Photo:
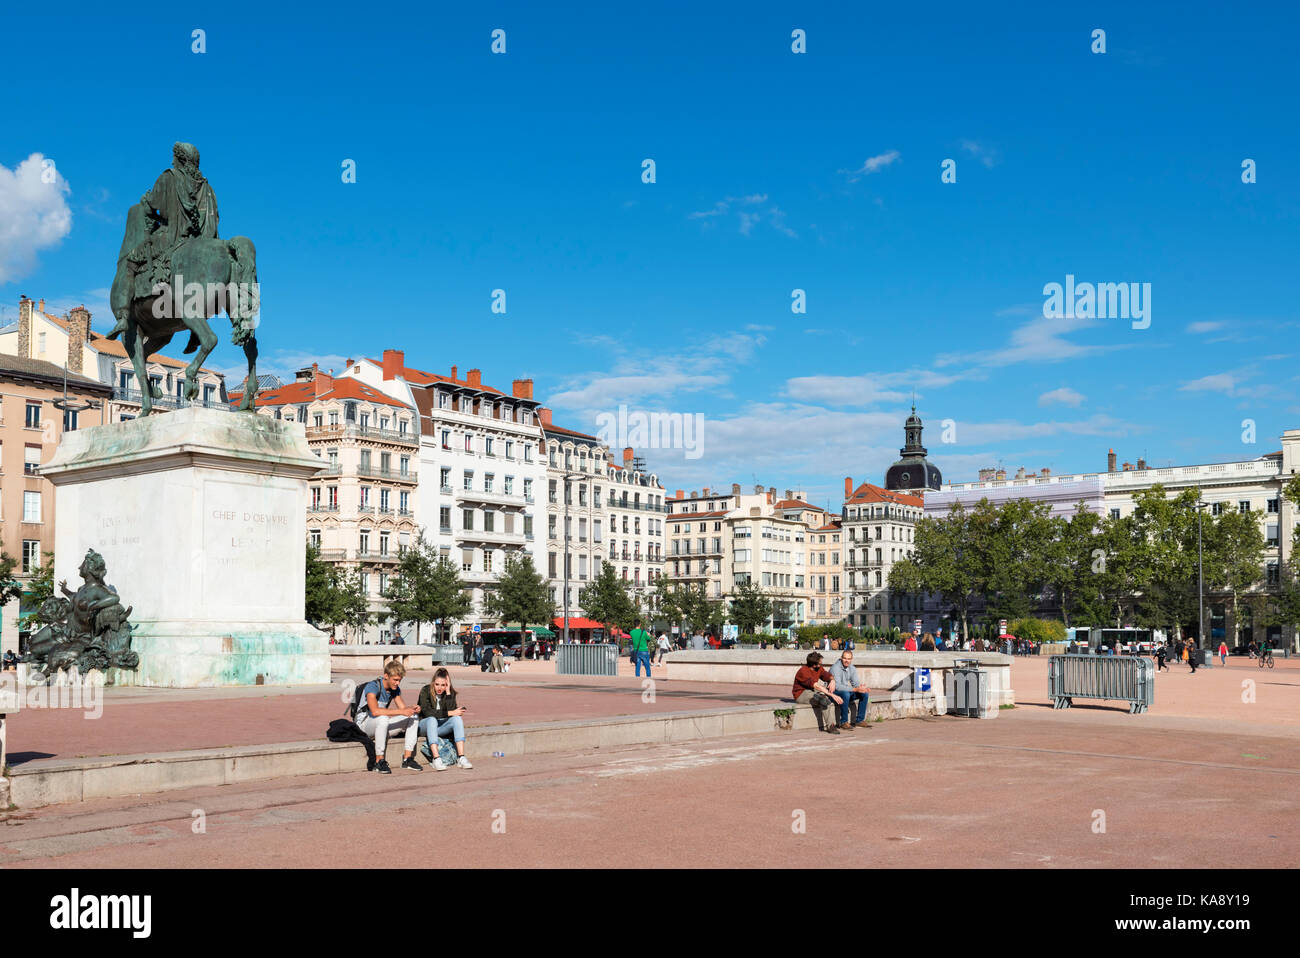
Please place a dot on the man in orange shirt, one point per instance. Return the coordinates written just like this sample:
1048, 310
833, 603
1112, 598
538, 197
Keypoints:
814, 685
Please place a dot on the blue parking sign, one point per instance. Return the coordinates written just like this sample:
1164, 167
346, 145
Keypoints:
922, 680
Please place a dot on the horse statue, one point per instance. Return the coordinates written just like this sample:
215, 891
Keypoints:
174, 273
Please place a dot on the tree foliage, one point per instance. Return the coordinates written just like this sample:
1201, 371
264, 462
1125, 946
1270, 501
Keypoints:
750, 606
520, 594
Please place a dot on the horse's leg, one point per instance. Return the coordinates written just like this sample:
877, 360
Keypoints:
134, 344
207, 342
250, 384
155, 344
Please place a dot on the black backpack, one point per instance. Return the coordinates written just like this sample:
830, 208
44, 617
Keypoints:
358, 698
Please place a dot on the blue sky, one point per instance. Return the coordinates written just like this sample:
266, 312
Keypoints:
774, 171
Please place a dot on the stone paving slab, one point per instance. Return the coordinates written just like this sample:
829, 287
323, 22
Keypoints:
164, 720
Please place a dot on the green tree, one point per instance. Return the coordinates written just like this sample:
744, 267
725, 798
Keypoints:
948, 558
353, 602
39, 587
750, 606
520, 594
1069, 557
1234, 556
323, 602
426, 588
607, 599
1166, 532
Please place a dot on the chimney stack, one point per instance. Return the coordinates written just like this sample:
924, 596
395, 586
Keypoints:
848, 486
544, 414
679, 494
706, 492
627, 460
1045, 471
1020, 473
1000, 475
394, 363
41, 305
695, 494
324, 381
1142, 463
25, 326
1110, 461
522, 388
78, 335
453, 371
473, 377
735, 488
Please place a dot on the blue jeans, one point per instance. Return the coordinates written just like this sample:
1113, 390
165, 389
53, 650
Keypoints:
452, 728
642, 657
842, 710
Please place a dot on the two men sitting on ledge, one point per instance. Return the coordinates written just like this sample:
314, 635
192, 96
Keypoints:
816, 686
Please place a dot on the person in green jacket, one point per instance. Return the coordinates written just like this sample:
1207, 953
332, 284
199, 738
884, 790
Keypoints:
640, 648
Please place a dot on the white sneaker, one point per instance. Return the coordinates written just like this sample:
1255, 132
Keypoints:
439, 765
463, 762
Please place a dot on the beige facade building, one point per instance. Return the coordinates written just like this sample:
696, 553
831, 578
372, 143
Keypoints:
879, 530
31, 426
69, 340
361, 506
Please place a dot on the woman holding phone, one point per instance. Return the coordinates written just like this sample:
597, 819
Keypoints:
440, 715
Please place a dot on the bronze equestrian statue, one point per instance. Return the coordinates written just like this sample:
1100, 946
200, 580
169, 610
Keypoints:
174, 273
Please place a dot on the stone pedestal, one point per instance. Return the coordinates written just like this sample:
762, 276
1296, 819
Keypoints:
200, 515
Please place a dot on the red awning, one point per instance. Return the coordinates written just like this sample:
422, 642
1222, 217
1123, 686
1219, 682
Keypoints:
578, 623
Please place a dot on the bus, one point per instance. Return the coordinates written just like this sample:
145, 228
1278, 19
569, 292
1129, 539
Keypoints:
1123, 641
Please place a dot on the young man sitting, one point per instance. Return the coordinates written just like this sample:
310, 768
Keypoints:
851, 690
381, 710
814, 685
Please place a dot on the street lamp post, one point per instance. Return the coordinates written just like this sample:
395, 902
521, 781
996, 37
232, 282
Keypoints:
1200, 579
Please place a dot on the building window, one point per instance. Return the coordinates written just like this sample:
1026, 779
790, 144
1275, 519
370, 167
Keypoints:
1272, 505
444, 519
333, 498
365, 542
383, 500
1216, 509
468, 480
33, 415
487, 446
445, 479
31, 554
31, 507
315, 497
1243, 506
489, 520
488, 479
314, 535
317, 420
406, 465
446, 439
383, 543
469, 443
31, 459
404, 503
467, 519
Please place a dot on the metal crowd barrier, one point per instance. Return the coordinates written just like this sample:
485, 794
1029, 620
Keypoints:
596, 658
1126, 678
447, 653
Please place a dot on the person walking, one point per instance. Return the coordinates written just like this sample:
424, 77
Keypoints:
1223, 653
1161, 652
664, 646
640, 640
1190, 653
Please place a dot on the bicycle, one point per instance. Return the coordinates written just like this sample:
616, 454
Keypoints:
1266, 657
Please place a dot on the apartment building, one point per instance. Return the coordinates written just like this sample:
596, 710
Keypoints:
722, 539
69, 341
879, 527
31, 426
361, 505
480, 457
634, 502
1251, 486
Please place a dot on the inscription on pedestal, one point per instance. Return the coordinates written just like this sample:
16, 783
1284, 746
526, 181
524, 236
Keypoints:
247, 529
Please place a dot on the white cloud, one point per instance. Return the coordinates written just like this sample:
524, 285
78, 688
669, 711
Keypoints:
873, 164
865, 389
33, 215
985, 154
1040, 340
1226, 383
1064, 395
1204, 327
748, 219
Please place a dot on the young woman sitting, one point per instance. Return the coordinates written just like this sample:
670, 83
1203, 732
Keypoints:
440, 716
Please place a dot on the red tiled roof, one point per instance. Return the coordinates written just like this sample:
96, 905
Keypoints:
572, 432
797, 504
869, 493
418, 377
304, 392
830, 527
